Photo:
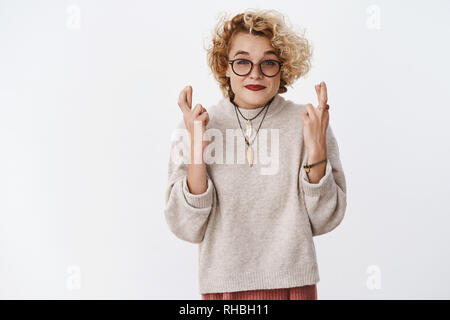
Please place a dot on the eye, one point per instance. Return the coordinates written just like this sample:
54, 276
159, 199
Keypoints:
269, 62
243, 61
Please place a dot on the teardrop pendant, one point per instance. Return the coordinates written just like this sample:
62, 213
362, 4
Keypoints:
249, 129
250, 156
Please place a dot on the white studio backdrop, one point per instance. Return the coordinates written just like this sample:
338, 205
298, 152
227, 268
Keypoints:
88, 102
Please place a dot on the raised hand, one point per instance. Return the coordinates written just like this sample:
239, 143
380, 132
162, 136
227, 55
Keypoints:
315, 122
191, 115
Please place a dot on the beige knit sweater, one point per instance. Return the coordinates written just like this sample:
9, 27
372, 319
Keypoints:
254, 225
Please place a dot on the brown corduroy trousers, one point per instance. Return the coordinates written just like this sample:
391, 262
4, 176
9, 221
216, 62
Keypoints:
308, 292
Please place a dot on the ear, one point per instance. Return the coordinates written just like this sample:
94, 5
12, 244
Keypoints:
228, 71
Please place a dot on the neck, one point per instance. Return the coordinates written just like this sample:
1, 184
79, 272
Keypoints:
241, 105
231, 108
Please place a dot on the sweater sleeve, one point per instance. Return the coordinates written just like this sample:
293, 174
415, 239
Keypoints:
186, 214
326, 200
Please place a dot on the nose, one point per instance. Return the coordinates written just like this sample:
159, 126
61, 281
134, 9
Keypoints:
255, 73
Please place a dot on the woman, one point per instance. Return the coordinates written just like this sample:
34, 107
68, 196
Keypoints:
254, 218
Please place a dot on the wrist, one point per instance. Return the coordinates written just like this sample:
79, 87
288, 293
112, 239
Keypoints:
316, 155
196, 155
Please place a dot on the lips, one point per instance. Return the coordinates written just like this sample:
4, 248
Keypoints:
254, 87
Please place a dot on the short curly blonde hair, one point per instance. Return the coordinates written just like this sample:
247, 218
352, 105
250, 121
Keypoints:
293, 49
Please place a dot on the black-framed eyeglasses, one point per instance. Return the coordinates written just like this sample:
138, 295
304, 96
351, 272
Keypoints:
243, 67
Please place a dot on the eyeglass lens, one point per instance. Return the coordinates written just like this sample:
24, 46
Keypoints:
268, 67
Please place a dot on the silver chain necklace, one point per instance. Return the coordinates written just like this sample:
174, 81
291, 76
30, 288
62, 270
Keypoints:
249, 129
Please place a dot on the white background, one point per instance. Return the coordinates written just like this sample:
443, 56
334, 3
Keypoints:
87, 108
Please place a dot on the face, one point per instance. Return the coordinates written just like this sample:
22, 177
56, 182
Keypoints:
255, 48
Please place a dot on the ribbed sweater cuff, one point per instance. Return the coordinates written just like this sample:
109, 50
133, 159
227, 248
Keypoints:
202, 200
322, 187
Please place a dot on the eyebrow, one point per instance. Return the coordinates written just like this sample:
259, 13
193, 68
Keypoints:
246, 53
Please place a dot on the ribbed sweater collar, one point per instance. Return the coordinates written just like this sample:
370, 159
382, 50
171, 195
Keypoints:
275, 107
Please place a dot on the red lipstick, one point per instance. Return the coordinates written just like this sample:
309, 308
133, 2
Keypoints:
254, 87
